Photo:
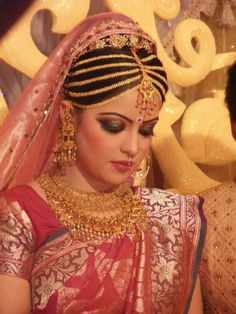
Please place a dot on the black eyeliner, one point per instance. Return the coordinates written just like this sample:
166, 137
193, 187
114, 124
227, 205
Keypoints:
109, 126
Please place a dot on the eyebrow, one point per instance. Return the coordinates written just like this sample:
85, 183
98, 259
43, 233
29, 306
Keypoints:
124, 117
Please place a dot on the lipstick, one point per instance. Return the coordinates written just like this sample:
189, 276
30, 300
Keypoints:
122, 165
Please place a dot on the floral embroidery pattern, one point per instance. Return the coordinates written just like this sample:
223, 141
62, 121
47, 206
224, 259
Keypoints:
54, 265
172, 220
121, 274
167, 270
46, 285
172, 225
16, 241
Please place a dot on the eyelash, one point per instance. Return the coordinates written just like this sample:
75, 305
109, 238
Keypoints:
114, 126
146, 131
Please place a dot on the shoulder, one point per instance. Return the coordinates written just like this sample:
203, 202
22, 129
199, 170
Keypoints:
164, 199
29, 197
15, 224
11, 203
182, 210
21, 193
20, 199
154, 195
17, 236
15, 203
24, 203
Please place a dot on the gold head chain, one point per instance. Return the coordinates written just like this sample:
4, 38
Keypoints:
147, 94
145, 81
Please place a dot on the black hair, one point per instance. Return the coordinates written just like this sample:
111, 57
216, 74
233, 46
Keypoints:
101, 74
230, 91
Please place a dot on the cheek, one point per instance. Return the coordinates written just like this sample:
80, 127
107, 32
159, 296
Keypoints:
93, 141
145, 145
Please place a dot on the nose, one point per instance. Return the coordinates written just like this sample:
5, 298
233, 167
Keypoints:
130, 144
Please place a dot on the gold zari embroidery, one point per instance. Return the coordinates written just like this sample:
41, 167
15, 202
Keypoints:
119, 41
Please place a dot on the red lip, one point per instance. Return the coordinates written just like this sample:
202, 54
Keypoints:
122, 165
122, 162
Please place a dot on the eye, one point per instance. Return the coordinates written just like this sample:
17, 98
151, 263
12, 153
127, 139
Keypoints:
112, 125
146, 130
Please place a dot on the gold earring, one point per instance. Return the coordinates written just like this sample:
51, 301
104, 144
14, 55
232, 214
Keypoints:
65, 150
142, 173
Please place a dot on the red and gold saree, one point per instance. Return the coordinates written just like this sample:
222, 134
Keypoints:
154, 272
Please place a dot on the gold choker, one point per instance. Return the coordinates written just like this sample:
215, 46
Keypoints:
92, 217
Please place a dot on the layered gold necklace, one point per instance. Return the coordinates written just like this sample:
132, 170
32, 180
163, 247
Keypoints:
92, 217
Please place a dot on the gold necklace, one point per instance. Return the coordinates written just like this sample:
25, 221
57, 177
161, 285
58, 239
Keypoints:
121, 211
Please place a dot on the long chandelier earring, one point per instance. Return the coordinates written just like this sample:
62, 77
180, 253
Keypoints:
65, 151
141, 173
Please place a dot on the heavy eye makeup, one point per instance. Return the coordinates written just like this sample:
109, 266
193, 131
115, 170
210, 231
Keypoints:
112, 125
147, 129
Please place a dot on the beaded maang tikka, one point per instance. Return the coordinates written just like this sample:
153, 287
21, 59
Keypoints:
147, 94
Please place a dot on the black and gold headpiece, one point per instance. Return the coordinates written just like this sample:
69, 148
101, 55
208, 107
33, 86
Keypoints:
114, 66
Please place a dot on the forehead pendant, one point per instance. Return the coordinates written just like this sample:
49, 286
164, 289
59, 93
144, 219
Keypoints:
147, 95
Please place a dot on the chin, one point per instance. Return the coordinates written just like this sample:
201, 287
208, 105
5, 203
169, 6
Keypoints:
116, 180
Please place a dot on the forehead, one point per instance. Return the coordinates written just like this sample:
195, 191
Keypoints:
126, 105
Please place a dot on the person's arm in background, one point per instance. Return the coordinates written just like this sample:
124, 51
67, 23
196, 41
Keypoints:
14, 295
196, 306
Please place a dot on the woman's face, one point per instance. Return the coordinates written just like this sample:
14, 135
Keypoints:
108, 136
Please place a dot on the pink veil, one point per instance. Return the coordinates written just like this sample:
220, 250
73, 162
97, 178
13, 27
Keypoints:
28, 134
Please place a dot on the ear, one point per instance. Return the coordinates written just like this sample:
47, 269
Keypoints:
65, 106
233, 128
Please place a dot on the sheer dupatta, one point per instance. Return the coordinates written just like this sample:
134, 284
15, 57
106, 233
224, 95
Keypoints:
28, 134
111, 278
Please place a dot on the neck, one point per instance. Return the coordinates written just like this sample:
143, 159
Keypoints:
94, 217
80, 182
